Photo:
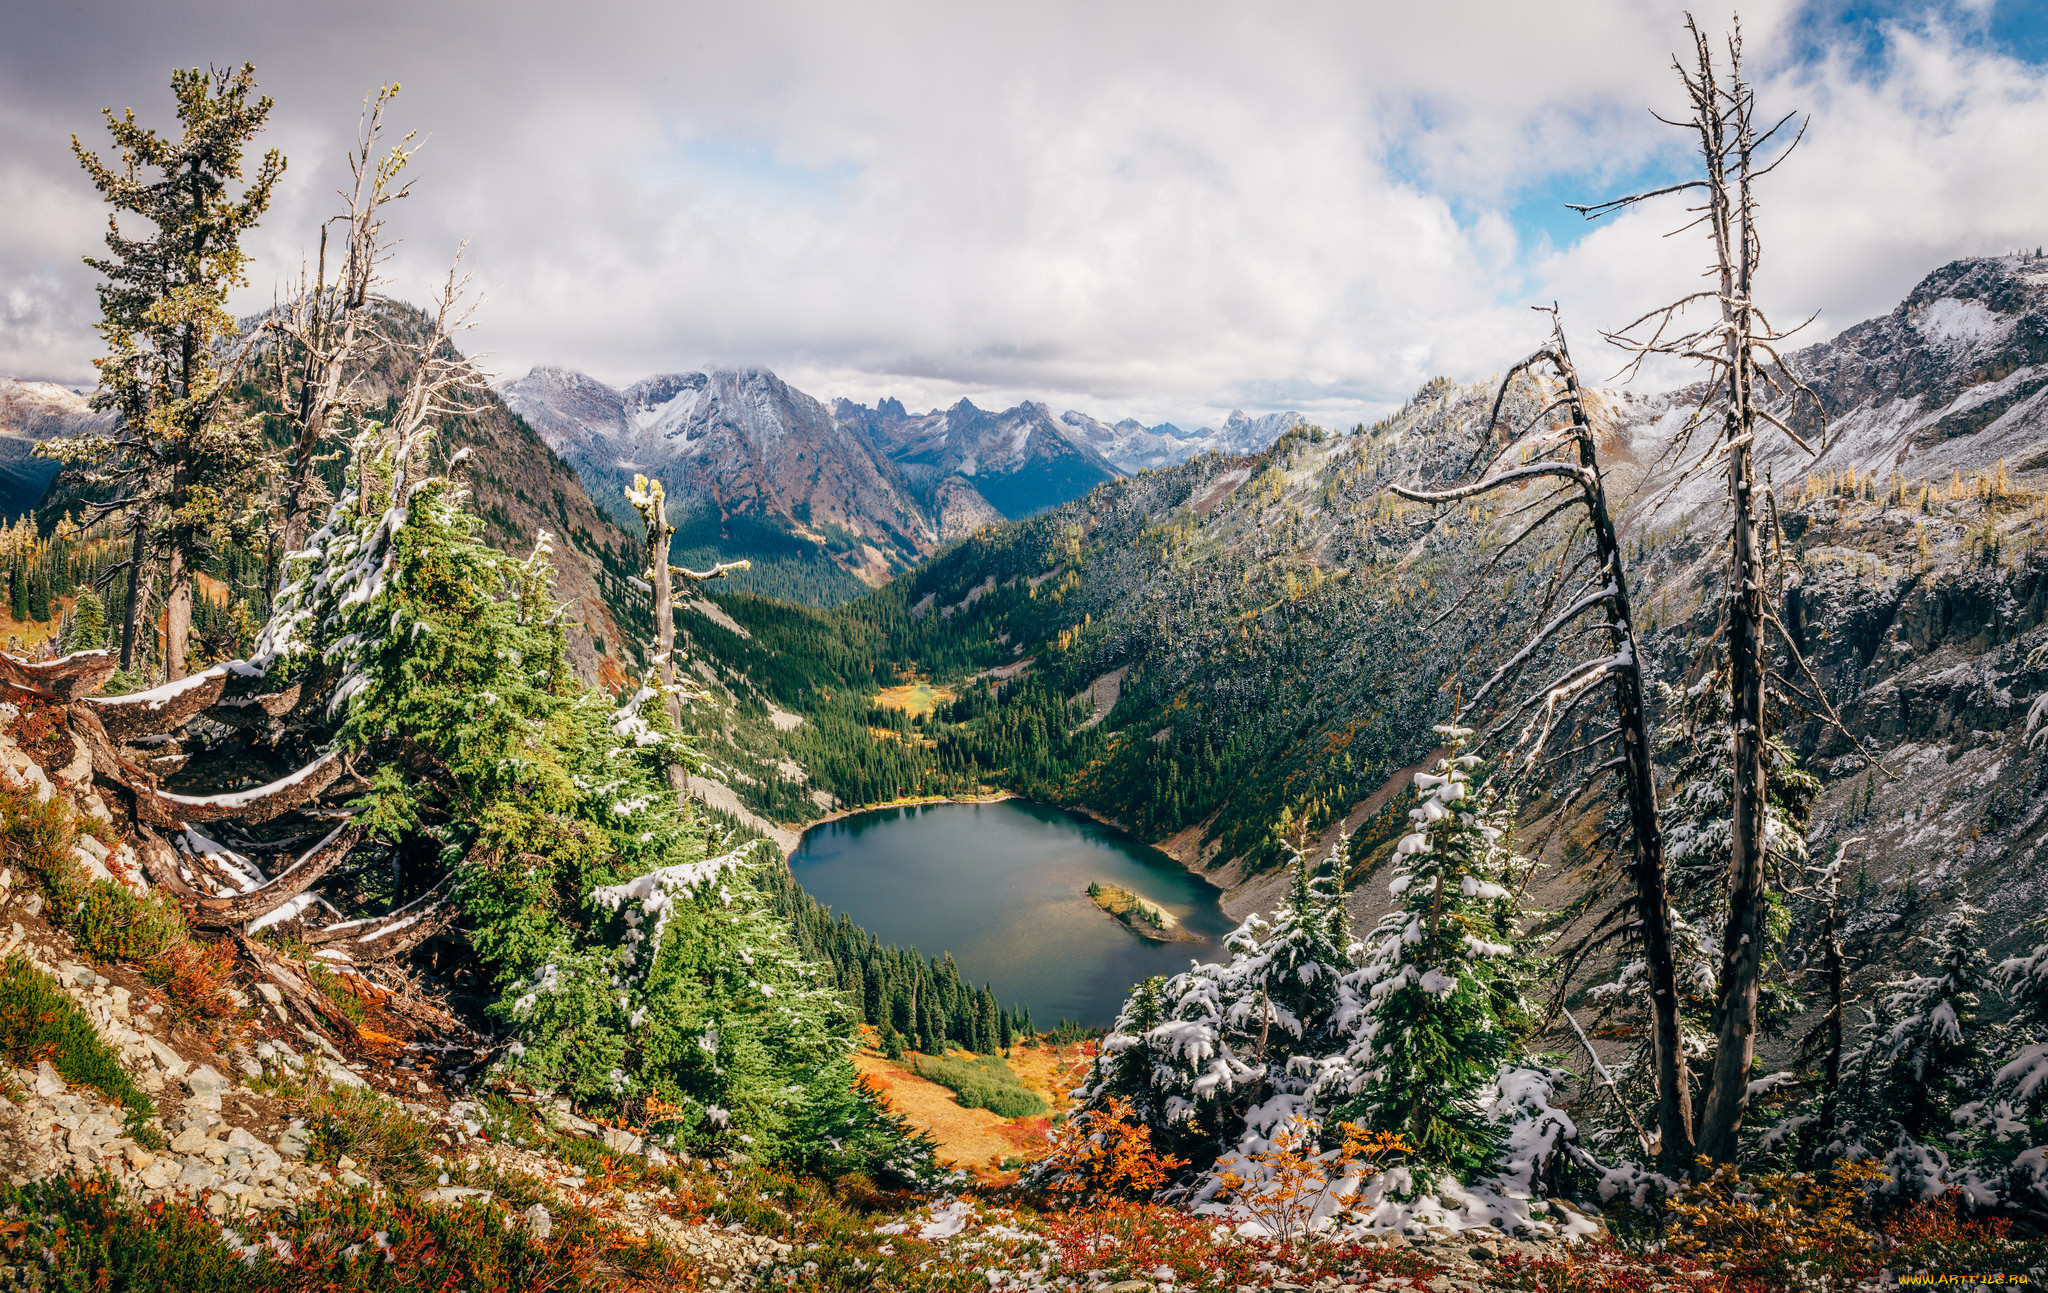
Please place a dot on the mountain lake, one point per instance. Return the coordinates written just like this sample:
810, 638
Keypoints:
1004, 887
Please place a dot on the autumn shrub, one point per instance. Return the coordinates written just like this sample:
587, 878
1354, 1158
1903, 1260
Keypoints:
375, 1131
1941, 1237
1101, 1153
40, 730
197, 979
84, 1234
1288, 1186
108, 920
38, 1021
36, 836
1787, 1229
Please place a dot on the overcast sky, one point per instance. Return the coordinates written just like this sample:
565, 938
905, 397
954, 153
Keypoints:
1161, 210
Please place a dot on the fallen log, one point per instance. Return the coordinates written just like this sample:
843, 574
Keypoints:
379, 938
62, 680
229, 910
160, 709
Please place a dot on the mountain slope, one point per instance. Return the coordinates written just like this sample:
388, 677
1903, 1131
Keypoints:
1256, 640
29, 412
1132, 446
756, 468
1020, 460
522, 488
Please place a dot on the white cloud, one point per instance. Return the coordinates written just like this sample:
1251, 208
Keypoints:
1158, 210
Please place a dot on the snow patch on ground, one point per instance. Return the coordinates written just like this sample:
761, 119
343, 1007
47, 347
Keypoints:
1950, 321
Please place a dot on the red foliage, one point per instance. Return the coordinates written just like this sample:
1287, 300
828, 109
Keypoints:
41, 731
196, 979
1119, 1236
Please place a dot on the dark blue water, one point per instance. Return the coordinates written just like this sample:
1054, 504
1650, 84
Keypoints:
1004, 888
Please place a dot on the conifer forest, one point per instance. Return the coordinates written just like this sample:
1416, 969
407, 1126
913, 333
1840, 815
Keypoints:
1627, 800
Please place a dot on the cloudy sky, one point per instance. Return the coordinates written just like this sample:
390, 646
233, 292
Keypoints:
1161, 210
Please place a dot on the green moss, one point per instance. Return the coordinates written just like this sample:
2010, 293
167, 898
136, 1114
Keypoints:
38, 1021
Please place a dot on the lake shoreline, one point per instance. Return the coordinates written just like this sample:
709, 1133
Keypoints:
995, 797
999, 884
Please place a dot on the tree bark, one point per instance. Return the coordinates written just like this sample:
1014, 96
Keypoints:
177, 618
1742, 942
654, 511
138, 590
1639, 777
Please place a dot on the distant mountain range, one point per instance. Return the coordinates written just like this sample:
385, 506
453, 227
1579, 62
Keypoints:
827, 502
29, 412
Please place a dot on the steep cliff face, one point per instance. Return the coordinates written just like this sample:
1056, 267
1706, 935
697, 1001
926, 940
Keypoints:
1954, 379
756, 469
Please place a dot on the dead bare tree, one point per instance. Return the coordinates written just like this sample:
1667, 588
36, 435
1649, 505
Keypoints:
113, 729
320, 331
1740, 348
650, 499
1558, 445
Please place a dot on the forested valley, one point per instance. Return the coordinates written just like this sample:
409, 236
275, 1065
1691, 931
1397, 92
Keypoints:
1633, 806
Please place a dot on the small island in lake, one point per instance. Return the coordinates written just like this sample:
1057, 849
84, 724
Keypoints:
1139, 914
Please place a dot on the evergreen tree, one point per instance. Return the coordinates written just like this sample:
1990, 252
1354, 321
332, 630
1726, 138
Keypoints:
1436, 1010
38, 594
1920, 1060
1205, 1054
2008, 1125
628, 960
88, 630
17, 590
178, 467
1417, 1032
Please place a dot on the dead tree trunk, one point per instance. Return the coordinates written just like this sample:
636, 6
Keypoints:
1622, 670
137, 600
651, 501
1639, 780
1739, 347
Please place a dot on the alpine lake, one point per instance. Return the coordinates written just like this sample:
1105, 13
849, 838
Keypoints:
1003, 887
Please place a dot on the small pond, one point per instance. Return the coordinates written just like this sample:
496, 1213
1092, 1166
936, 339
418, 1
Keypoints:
1004, 888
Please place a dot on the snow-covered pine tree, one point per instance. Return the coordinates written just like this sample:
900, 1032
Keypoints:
632, 963
1922, 1056
1208, 1053
2005, 1129
1435, 1010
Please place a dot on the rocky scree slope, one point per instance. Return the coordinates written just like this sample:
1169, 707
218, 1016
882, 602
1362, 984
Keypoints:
245, 1100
